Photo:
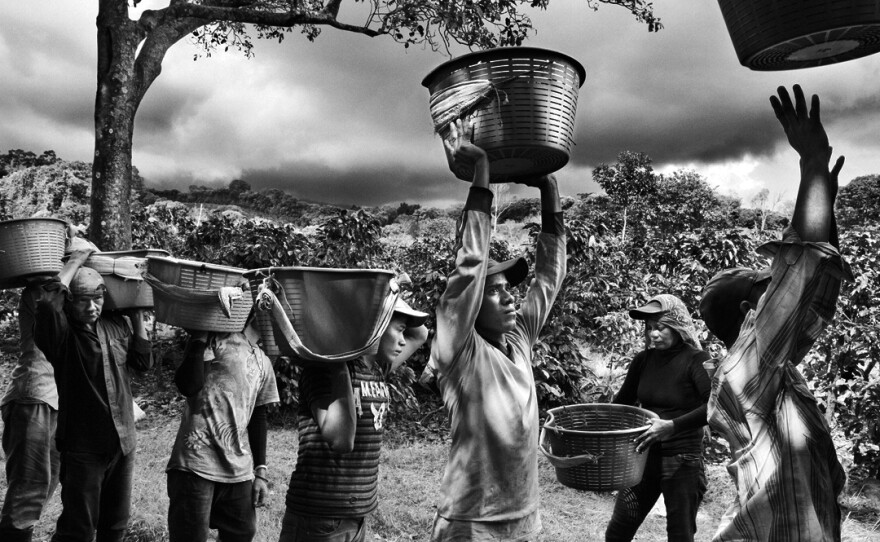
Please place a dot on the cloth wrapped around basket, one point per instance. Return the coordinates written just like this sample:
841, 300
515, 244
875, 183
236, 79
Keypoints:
353, 336
223, 309
126, 267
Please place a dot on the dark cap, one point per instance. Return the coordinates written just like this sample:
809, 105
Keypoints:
649, 310
721, 299
515, 269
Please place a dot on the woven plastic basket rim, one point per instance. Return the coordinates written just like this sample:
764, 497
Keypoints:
498, 53
552, 412
5, 222
344, 270
197, 264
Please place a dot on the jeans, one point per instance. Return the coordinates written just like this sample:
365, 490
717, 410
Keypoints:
296, 528
682, 481
197, 505
95, 495
32, 463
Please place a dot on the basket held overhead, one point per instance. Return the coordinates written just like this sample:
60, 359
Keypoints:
591, 445
322, 314
198, 296
523, 102
30, 248
123, 272
790, 34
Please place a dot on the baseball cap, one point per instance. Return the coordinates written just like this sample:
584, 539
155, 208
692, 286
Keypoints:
515, 269
414, 318
87, 281
721, 298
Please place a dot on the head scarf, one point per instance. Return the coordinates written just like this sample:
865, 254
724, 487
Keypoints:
674, 314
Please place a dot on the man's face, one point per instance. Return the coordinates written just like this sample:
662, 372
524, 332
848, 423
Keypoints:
497, 314
393, 341
87, 308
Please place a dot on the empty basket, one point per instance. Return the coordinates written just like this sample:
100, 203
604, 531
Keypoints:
591, 445
198, 296
790, 34
329, 314
30, 248
523, 102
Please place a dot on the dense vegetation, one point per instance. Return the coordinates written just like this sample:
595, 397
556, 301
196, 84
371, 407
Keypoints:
679, 232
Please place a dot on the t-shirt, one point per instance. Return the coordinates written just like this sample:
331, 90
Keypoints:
212, 441
329, 484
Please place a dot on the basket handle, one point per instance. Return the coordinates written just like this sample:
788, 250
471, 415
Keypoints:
564, 462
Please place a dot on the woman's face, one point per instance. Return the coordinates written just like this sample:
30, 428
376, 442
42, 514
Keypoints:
660, 336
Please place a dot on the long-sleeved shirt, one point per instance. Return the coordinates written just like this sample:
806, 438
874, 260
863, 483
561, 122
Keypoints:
492, 472
784, 463
33, 379
91, 372
674, 385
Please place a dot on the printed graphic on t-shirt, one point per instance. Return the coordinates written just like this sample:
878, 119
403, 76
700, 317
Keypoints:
376, 394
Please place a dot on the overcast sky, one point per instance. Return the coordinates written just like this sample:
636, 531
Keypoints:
345, 119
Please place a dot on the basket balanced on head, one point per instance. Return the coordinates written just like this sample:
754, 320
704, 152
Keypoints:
791, 34
198, 296
522, 101
30, 248
591, 445
123, 272
322, 314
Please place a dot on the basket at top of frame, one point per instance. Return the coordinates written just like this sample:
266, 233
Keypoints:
791, 34
198, 296
322, 314
591, 445
522, 101
30, 248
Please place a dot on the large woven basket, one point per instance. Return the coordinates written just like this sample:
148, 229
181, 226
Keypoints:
591, 445
333, 311
30, 248
123, 273
526, 120
198, 311
791, 34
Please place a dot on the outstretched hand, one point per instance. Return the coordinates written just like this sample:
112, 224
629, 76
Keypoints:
804, 129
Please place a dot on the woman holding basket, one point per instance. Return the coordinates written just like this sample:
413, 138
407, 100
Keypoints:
668, 379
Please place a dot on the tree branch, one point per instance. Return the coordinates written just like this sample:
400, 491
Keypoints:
267, 18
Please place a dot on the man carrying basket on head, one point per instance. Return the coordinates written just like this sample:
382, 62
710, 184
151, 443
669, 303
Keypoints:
483, 352
91, 353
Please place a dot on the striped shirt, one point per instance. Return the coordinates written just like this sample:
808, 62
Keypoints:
329, 484
784, 463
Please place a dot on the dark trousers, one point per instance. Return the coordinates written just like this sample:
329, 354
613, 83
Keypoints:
682, 481
31, 467
95, 495
197, 505
296, 528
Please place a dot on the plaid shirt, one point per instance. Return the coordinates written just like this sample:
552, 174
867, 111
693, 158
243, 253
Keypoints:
784, 463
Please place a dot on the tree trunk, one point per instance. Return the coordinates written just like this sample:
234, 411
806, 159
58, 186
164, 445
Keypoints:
116, 103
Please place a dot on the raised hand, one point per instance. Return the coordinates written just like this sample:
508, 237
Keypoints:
804, 129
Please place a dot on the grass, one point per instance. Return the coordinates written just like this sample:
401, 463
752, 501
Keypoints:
410, 476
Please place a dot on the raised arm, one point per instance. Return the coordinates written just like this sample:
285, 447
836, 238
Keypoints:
331, 400
813, 217
460, 303
550, 259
